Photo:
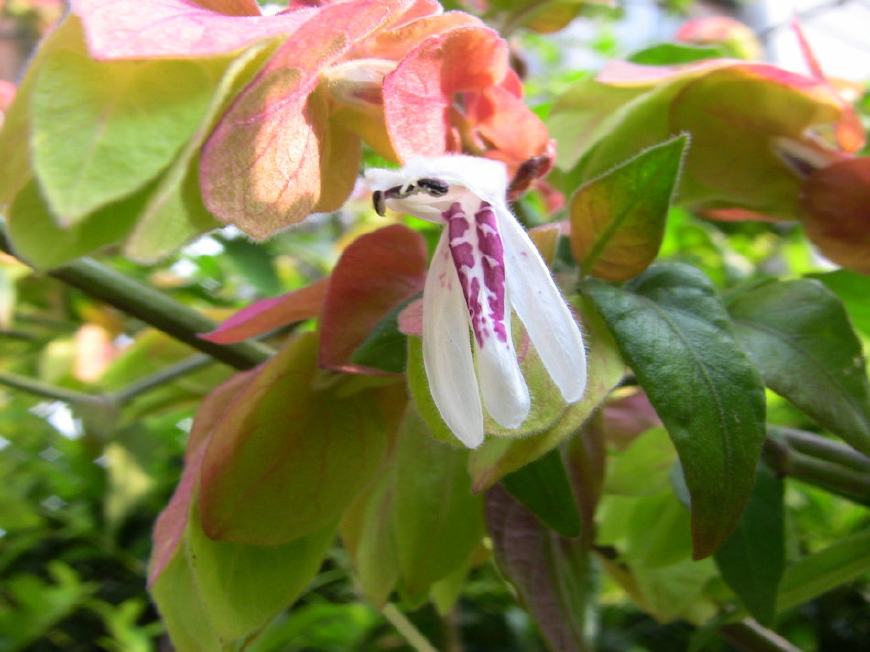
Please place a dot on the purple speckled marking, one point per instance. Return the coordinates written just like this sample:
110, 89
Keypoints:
478, 254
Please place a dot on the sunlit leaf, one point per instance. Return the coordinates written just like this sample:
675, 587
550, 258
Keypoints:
103, 130
618, 220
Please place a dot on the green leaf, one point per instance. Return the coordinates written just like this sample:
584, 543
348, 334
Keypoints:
37, 238
214, 594
385, 347
550, 573
102, 130
15, 134
618, 220
799, 336
175, 212
437, 520
853, 290
543, 487
676, 335
752, 559
642, 469
369, 538
818, 573
667, 54
294, 449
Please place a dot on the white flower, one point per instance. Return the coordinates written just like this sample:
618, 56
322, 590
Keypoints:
484, 265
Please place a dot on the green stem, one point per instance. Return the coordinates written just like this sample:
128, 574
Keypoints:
822, 448
407, 629
154, 308
749, 636
162, 377
826, 475
45, 391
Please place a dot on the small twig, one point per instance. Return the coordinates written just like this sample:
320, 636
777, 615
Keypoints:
38, 388
162, 377
749, 636
407, 629
154, 308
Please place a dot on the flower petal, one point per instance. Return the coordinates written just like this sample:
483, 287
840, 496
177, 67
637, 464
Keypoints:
541, 307
478, 255
447, 350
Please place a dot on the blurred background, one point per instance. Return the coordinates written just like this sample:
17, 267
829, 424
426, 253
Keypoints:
91, 448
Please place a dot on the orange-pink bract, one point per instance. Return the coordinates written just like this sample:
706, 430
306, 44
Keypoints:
400, 75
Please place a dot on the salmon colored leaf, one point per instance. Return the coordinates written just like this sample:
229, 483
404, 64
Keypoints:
267, 164
127, 29
375, 274
419, 93
264, 316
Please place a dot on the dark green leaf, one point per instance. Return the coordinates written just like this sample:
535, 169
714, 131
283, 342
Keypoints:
752, 559
675, 334
543, 487
799, 336
385, 347
853, 290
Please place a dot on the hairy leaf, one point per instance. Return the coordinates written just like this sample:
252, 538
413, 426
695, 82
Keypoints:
103, 130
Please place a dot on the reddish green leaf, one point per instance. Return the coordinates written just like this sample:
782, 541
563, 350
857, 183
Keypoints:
618, 220
368, 534
293, 450
376, 273
676, 335
172, 522
836, 200
266, 315
549, 572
